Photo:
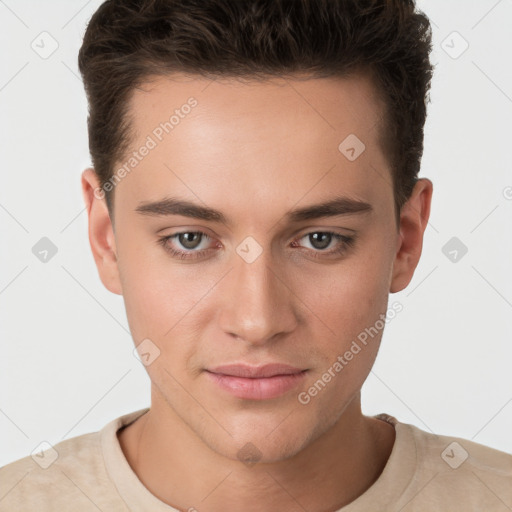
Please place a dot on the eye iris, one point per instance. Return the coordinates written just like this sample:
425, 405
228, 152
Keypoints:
189, 240
320, 240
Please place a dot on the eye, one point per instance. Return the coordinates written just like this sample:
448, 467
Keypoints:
320, 242
196, 244
186, 245
190, 240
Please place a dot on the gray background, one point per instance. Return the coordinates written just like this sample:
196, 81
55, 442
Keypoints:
67, 365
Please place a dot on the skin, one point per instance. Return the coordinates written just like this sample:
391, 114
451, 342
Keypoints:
255, 151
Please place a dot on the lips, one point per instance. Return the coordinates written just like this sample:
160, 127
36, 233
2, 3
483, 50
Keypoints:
256, 382
254, 372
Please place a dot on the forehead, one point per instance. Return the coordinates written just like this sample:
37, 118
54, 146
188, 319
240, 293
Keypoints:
270, 139
328, 104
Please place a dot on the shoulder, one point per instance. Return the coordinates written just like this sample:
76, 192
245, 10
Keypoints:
449, 452
72, 471
453, 473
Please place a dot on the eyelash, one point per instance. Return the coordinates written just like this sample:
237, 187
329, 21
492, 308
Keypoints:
347, 243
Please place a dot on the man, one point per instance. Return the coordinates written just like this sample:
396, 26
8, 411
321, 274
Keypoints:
255, 199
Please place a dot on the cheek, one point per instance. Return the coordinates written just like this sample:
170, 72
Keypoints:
159, 309
161, 305
156, 290
165, 302
350, 296
349, 304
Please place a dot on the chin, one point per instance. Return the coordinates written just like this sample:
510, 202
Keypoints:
268, 442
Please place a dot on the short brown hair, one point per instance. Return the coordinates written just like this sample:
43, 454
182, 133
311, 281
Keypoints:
128, 41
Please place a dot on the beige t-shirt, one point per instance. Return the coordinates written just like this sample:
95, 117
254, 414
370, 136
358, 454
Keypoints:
425, 472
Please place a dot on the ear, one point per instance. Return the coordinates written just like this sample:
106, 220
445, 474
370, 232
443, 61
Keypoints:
413, 221
101, 232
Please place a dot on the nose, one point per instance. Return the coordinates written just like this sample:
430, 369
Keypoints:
258, 303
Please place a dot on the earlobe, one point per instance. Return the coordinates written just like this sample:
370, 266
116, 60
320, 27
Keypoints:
101, 232
413, 222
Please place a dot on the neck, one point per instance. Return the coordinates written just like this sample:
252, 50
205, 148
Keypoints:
181, 470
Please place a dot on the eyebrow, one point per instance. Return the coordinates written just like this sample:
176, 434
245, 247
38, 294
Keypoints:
331, 208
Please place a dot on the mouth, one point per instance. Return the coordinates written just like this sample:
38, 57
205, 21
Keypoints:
256, 382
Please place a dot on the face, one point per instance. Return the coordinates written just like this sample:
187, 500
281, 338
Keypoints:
271, 244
